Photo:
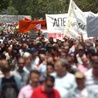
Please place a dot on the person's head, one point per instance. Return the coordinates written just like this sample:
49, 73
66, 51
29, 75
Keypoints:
24, 46
66, 47
34, 52
60, 50
49, 84
50, 68
95, 67
63, 54
42, 56
34, 78
80, 51
70, 60
3, 63
72, 55
94, 56
50, 60
27, 58
9, 50
87, 46
97, 46
51, 40
21, 62
61, 67
5, 70
80, 79
38, 45
85, 60
59, 42
15, 53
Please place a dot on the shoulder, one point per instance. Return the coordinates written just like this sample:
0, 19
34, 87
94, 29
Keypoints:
26, 70
56, 93
42, 66
25, 88
70, 75
16, 79
54, 74
15, 74
88, 73
37, 90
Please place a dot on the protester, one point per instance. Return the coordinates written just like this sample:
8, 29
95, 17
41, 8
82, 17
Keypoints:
46, 90
3, 63
64, 81
81, 90
85, 66
80, 55
35, 58
28, 59
33, 82
23, 49
9, 85
92, 79
20, 72
50, 69
61, 58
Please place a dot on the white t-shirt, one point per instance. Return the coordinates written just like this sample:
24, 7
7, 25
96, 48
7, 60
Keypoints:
23, 76
90, 79
1, 74
42, 69
35, 62
91, 84
78, 93
64, 84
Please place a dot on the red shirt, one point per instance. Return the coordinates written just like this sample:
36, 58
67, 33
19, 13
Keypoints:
40, 93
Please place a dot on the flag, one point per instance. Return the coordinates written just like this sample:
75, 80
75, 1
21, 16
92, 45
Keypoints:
76, 21
24, 26
28, 25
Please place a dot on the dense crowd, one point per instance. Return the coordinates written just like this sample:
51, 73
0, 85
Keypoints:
40, 68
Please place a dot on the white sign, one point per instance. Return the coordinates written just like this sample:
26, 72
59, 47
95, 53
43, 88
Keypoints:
56, 22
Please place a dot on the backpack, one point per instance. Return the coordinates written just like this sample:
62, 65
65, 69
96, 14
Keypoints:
9, 88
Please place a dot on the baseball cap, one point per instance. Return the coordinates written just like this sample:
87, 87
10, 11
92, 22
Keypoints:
79, 75
32, 50
38, 43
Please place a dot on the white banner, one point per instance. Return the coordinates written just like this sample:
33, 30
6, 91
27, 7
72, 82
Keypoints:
56, 22
76, 21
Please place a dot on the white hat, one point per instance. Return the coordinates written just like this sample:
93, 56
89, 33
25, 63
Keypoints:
79, 75
26, 55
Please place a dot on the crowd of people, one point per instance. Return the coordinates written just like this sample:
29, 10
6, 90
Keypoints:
40, 68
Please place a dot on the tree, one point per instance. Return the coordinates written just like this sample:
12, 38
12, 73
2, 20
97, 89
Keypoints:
35, 8
38, 8
4, 4
12, 11
87, 5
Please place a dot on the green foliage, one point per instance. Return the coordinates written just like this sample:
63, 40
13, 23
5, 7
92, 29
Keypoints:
35, 8
4, 4
12, 11
38, 8
88, 5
